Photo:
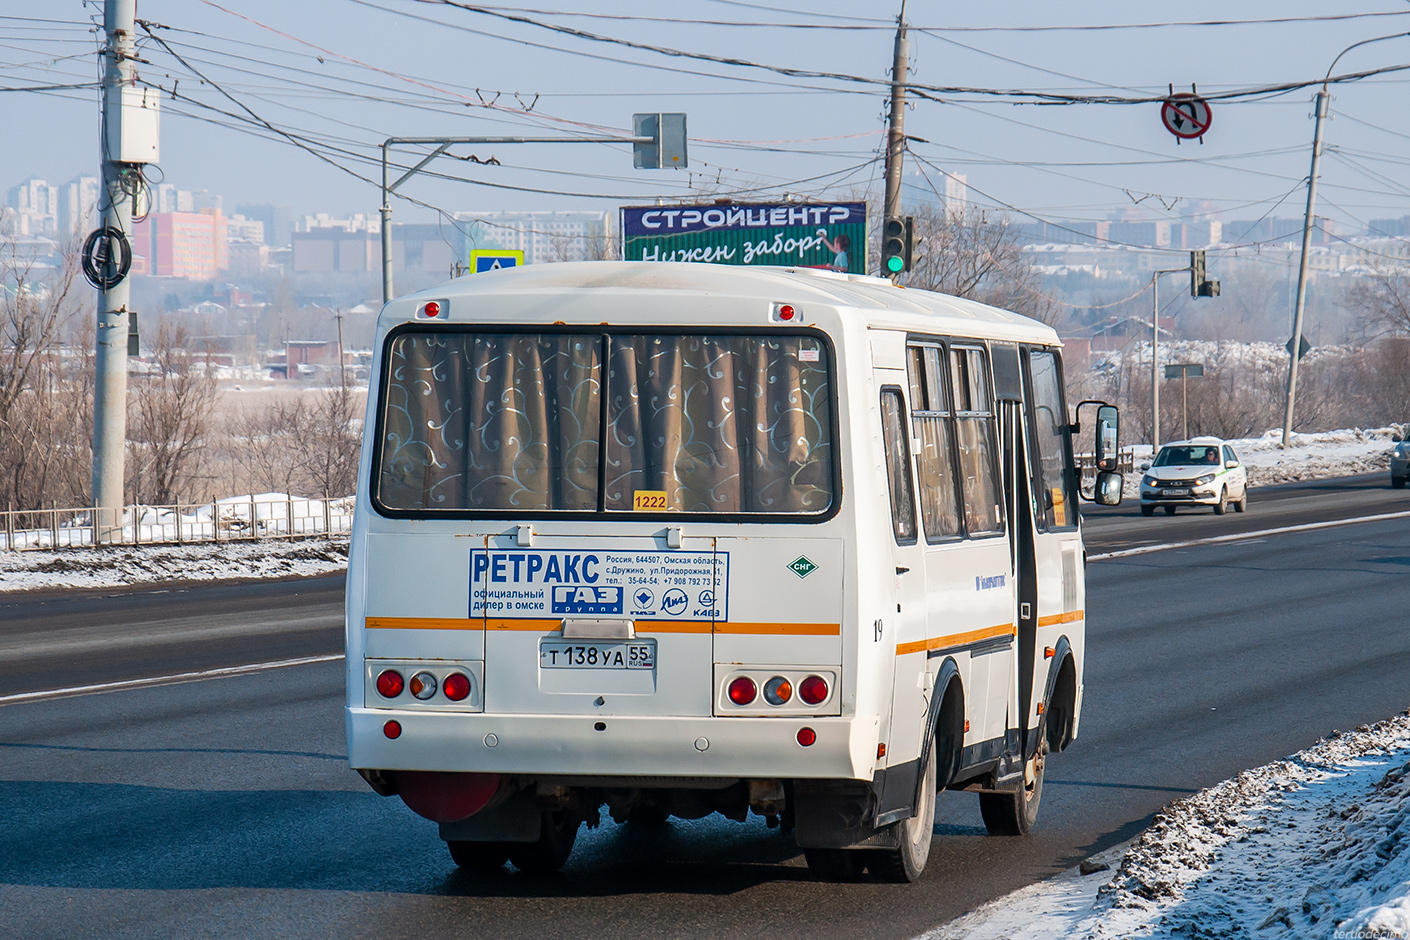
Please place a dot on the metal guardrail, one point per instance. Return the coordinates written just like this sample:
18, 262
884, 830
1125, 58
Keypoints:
227, 520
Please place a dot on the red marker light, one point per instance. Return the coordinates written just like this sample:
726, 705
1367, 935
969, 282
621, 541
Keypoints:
390, 683
807, 736
456, 686
742, 690
786, 312
432, 309
392, 729
813, 690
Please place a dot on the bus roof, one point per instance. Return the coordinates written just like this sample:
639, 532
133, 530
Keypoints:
884, 304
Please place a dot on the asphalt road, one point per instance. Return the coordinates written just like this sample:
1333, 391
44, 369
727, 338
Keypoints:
225, 808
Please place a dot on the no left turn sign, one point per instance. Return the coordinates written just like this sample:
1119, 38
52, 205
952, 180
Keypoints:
1185, 116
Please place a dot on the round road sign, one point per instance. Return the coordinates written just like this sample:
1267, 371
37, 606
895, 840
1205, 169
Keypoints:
1185, 116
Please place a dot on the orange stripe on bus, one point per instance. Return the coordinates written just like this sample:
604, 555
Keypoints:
422, 623
539, 626
1072, 616
955, 639
688, 626
782, 629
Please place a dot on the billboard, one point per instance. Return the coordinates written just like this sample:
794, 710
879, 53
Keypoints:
814, 235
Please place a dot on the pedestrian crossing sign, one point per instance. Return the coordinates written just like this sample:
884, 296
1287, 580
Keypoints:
492, 259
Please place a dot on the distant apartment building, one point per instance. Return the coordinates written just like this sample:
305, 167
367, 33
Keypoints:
278, 221
32, 208
192, 245
543, 237
239, 227
353, 245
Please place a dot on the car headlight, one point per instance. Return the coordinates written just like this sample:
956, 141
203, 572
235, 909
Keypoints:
1207, 478
1402, 450
1149, 480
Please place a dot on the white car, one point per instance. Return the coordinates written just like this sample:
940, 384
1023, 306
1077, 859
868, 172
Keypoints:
1203, 471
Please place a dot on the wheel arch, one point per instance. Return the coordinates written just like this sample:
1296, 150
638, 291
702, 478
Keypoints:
1060, 696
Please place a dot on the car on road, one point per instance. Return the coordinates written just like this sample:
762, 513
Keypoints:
1203, 471
1400, 465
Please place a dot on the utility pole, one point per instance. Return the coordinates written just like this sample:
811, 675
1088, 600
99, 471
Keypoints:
896, 134
342, 363
110, 361
1295, 345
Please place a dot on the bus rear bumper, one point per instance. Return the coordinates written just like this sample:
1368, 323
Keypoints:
615, 746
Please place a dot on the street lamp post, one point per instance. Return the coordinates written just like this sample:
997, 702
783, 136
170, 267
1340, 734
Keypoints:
1155, 353
1295, 344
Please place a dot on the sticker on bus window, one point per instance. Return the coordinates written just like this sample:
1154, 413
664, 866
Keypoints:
648, 500
1059, 506
808, 355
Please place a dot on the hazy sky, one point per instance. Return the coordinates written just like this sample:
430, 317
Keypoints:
346, 74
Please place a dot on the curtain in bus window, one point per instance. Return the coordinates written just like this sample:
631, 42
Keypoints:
930, 420
1049, 429
491, 421
976, 435
723, 424
898, 465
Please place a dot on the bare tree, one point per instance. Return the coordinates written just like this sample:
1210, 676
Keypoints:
977, 255
333, 442
267, 446
170, 414
1382, 299
38, 422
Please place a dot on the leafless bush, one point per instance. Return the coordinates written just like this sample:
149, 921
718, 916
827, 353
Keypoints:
333, 443
307, 445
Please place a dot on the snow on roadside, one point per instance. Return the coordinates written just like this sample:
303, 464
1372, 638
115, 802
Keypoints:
1313, 846
128, 565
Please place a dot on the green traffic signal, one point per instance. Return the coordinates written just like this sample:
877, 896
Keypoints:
895, 263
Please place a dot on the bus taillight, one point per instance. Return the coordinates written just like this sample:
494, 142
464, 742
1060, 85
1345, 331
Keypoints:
456, 686
390, 683
742, 690
813, 690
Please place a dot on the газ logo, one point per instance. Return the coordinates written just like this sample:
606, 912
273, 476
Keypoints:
582, 599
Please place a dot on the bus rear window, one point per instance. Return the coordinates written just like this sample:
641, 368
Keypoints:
547, 423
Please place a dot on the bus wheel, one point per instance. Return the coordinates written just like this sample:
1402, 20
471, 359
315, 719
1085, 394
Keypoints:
555, 843
836, 864
479, 856
905, 864
1013, 814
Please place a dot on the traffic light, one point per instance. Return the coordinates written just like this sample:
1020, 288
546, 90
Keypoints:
1200, 284
896, 237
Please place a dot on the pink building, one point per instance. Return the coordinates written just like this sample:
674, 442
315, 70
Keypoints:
183, 244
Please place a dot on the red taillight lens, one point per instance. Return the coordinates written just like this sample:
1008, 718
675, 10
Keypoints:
432, 309
456, 686
742, 690
813, 690
806, 736
392, 729
778, 690
390, 683
786, 312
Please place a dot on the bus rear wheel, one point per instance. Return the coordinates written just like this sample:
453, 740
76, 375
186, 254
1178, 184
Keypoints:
1013, 814
479, 856
905, 864
550, 852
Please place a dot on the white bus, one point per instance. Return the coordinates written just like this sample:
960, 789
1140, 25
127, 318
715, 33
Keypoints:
676, 539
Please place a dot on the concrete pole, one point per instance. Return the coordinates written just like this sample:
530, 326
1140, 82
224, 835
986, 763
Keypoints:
110, 362
896, 135
1296, 343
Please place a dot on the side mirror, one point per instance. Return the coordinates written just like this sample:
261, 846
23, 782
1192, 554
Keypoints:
1108, 489
1108, 426
1230, 464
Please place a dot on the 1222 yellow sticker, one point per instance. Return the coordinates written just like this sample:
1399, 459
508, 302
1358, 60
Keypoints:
648, 500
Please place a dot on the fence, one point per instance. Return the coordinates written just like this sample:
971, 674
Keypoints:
241, 518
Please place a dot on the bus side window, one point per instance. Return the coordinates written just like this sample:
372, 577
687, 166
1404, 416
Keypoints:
930, 420
978, 441
898, 464
1053, 475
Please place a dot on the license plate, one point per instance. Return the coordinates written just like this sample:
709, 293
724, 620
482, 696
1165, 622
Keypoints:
567, 654
1175, 491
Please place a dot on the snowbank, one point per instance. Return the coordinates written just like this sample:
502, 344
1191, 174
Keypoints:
1313, 846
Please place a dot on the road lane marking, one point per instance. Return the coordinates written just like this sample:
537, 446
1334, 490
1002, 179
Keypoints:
172, 679
1247, 536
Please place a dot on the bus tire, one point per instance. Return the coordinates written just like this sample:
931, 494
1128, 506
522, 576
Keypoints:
906, 863
479, 856
555, 843
836, 864
1013, 814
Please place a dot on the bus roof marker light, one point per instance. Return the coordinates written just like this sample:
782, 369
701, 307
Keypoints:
432, 309
786, 313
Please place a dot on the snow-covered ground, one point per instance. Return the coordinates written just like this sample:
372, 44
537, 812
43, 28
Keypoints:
1313, 846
